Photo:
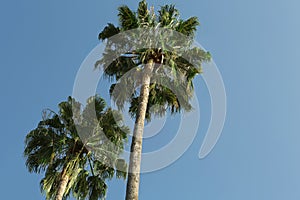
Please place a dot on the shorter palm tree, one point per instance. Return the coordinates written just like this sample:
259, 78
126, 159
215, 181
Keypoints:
72, 165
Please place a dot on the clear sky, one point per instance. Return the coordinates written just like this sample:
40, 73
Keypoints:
256, 46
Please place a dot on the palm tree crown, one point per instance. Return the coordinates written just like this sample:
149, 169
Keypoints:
185, 59
70, 164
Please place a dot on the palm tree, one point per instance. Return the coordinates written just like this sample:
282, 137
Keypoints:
146, 92
70, 163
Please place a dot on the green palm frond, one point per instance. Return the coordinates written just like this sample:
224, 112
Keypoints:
188, 27
97, 188
127, 18
81, 187
42, 145
143, 14
168, 15
50, 182
109, 31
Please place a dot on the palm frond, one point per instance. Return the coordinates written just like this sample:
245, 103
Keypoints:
97, 188
109, 31
167, 15
188, 27
143, 14
127, 18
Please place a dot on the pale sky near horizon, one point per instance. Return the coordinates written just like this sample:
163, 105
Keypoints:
254, 43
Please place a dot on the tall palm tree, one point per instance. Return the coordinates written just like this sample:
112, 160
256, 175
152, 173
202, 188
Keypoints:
70, 163
147, 61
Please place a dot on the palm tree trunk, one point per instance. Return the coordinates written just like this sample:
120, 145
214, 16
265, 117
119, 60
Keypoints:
62, 185
133, 181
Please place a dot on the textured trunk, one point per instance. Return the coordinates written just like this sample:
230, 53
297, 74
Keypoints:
133, 181
62, 185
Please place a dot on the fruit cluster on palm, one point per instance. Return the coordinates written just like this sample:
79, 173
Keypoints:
169, 43
74, 165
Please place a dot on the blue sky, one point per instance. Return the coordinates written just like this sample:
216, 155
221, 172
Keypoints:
256, 46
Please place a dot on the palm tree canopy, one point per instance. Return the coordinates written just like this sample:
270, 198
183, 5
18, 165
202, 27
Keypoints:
54, 147
184, 61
